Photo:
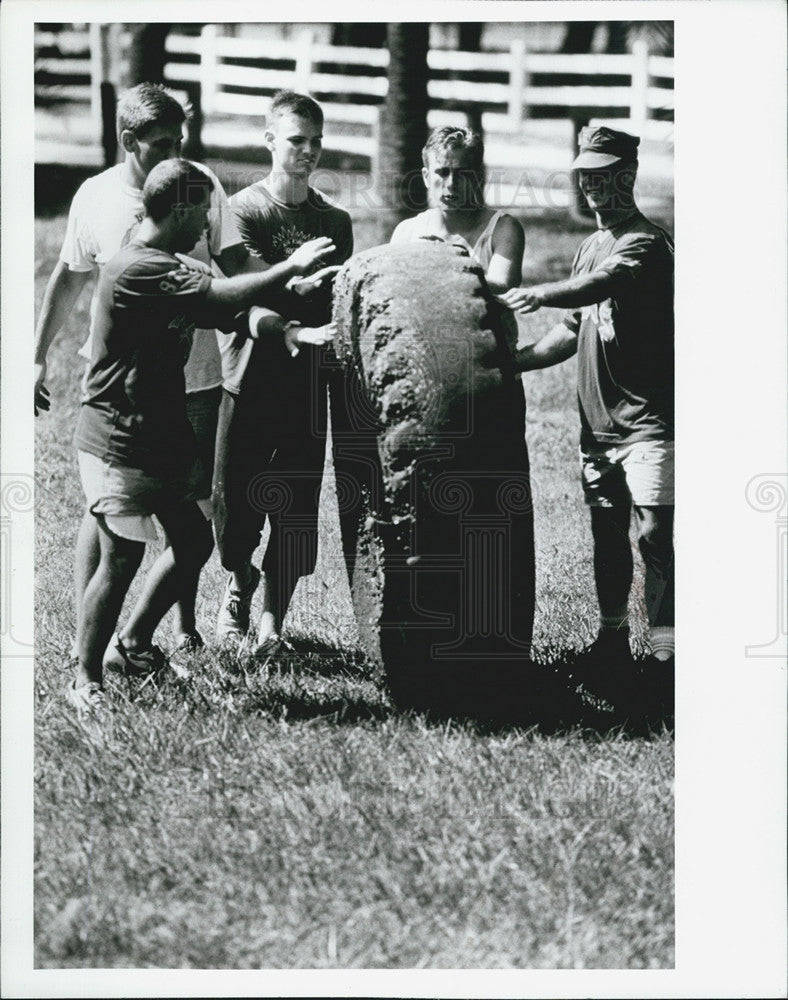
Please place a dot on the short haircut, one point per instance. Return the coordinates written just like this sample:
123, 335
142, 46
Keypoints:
288, 102
174, 182
454, 137
147, 105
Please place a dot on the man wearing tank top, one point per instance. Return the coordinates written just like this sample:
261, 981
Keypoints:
453, 174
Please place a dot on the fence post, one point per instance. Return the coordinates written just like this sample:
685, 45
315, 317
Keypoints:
517, 84
638, 112
95, 41
303, 62
209, 67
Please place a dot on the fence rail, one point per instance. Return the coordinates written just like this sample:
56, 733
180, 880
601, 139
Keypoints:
505, 87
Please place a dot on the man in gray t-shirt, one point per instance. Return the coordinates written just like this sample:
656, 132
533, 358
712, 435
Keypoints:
620, 324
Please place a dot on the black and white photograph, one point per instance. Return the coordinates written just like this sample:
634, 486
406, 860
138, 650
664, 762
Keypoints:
351, 645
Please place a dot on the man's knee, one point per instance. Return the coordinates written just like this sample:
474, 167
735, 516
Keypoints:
188, 534
120, 557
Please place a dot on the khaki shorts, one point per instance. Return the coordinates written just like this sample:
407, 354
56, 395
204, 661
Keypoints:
641, 473
128, 498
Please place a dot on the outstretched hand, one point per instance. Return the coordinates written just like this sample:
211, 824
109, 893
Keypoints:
306, 256
296, 336
41, 400
311, 282
522, 300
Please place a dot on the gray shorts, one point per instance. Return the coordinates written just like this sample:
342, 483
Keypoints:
641, 473
128, 498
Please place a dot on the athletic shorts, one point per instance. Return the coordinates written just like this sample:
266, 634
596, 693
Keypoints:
128, 498
641, 473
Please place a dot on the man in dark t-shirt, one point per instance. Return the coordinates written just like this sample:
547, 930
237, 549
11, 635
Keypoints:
132, 409
619, 321
272, 422
137, 450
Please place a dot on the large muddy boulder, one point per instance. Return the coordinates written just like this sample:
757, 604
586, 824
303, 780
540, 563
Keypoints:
444, 582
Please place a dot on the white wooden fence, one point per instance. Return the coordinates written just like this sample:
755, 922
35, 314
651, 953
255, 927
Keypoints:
227, 87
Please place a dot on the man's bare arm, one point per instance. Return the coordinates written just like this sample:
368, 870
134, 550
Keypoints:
556, 346
245, 290
236, 259
60, 296
506, 264
583, 290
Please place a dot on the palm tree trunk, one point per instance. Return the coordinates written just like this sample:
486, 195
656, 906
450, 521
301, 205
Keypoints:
147, 55
470, 40
403, 126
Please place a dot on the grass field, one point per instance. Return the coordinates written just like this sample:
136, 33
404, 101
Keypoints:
288, 817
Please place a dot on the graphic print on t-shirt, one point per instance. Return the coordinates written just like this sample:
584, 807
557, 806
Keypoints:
287, 240
130, 232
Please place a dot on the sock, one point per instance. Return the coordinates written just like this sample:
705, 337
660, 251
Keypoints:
618, 621
663, 641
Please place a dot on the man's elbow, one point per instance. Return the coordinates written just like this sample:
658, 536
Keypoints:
233, 259
569, 343
64, 281
604, 286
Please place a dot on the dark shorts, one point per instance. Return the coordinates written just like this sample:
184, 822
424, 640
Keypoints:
641, 473
202, 409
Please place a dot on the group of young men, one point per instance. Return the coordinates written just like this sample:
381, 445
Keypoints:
209, 377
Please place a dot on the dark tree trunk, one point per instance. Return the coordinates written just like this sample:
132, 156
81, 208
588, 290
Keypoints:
361, 34
109, 135
579, 36
470, 36
618, 37
579, 39
470, 40
147, 59
403, 125
147, 56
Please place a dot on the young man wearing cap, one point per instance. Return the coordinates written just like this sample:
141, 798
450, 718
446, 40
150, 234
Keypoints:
619, 321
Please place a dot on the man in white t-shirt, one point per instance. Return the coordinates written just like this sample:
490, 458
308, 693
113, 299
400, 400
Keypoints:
104, 215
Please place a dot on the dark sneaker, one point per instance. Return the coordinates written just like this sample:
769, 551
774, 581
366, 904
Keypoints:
659, 685
271, 647
232, 624
136, 663
606, 668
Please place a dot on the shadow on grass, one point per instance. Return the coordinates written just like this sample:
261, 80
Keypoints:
548, 697
307, 681
317, 682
